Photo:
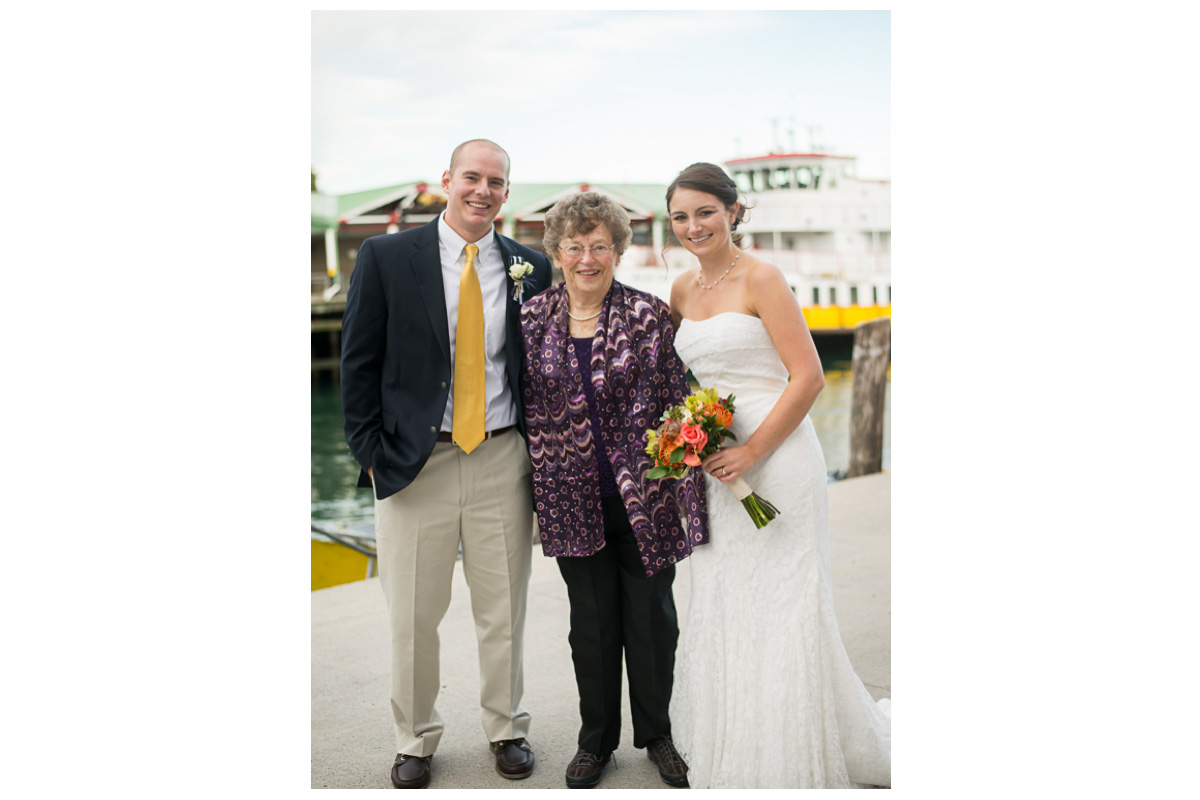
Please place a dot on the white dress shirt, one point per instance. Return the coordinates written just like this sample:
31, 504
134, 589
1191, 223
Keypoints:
499, 408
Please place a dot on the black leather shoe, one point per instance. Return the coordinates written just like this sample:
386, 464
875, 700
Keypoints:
584, 770
671, 766
514, 758
411, 772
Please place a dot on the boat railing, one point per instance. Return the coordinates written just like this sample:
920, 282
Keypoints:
369, 552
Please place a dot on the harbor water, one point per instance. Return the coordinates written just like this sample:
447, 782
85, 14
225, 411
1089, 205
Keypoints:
340, 507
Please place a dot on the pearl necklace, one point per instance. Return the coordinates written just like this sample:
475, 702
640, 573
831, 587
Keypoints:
700, 272
584, 319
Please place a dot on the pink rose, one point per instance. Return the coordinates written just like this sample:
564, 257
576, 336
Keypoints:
695, 436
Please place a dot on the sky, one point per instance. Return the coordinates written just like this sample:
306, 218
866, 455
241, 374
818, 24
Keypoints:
602, 96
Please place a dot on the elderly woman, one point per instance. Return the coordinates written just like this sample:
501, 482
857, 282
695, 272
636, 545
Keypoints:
600, 370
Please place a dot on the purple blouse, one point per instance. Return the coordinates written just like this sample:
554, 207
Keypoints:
635, 376
604, 473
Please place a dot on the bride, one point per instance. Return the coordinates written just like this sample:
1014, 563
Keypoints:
765, 696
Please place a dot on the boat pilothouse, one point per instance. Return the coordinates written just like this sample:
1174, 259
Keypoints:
827, 229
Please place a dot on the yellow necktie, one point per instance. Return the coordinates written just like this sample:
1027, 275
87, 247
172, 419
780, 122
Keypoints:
468, 359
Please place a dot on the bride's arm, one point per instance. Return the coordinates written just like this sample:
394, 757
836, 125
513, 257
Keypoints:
770, 298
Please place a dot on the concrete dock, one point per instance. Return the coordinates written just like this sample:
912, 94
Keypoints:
352, 745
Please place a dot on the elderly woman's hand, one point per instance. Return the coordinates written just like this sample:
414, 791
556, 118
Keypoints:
730, 462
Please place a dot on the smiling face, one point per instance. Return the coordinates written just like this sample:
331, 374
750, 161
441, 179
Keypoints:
476, 190
587, 277
701, 222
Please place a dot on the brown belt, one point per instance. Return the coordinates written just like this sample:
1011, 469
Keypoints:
444, 436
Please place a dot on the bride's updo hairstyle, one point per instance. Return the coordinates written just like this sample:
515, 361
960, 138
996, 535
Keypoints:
710, 179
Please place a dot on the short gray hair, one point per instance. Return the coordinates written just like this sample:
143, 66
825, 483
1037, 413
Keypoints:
582, 213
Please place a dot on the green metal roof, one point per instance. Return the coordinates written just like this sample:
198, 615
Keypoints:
343, 203
368, 197
650, 196
523, 195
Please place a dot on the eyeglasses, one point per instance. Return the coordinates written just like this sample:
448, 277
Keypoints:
575, 252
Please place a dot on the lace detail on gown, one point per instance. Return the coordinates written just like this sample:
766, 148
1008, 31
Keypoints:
765, 696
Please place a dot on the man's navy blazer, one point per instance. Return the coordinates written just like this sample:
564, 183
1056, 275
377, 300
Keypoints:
396, 365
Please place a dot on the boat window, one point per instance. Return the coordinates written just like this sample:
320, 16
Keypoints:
833, 295
816, 296
853, 295
889, 294
742, 180
875, 295
766, 179
816, 177
803, 177
783, 178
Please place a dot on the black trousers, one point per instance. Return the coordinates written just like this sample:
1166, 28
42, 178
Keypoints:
615, 607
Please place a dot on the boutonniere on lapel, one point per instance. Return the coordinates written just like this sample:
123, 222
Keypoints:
519, 271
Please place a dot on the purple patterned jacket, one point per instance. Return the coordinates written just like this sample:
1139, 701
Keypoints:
636, 376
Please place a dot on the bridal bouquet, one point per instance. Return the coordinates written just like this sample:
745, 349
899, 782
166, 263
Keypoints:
692, 431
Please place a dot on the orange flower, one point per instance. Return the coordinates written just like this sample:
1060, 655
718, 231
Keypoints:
667, 446
719, 413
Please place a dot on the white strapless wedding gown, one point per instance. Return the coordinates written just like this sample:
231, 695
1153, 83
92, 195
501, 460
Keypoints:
765, 696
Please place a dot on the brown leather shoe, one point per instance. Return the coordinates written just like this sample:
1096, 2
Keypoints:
584, 770
671, 766
514, 758
411, 772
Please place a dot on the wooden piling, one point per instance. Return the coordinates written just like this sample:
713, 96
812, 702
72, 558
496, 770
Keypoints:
869, 368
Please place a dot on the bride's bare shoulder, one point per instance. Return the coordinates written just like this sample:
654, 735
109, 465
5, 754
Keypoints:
755, 265
684, 280
763, 274
681, 287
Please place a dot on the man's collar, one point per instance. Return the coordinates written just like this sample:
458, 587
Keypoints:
450, 238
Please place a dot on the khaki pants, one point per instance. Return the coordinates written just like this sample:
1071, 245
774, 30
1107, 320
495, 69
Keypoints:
483, 500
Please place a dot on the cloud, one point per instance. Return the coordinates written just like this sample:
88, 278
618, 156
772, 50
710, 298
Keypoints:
584, 95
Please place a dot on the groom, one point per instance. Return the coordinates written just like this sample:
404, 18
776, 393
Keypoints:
431, 361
